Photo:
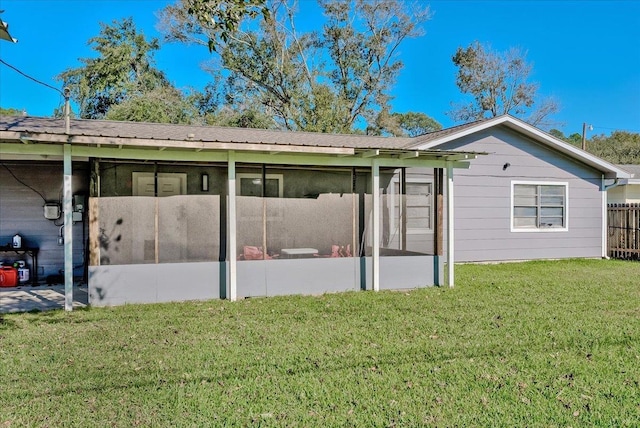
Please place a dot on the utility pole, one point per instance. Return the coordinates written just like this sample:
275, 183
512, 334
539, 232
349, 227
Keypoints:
67, 111
584, 135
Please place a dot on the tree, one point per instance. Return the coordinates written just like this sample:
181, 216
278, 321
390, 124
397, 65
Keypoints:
621, 147
245, 118
123, 70
159, 105
336, 80
414, 124
11, 111
223, 16
498, 84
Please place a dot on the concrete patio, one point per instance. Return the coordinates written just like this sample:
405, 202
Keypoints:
42, 298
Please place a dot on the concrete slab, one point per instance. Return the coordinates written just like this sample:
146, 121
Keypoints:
43, 298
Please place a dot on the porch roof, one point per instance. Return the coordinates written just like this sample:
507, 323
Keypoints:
154, 136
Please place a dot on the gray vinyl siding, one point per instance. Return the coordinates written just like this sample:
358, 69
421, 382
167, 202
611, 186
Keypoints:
21, 211
483, 201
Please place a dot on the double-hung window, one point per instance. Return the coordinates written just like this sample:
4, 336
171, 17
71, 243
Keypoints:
539, 206
418, 205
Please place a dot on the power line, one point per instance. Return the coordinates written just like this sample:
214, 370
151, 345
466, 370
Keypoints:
32, 78
22, 182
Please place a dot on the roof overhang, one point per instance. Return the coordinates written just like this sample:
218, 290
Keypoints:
610, 170
51, 144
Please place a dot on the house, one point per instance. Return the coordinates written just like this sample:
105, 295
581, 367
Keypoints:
533, 197
627, 191
154, 212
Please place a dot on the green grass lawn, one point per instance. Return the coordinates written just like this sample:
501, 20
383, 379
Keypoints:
521, 344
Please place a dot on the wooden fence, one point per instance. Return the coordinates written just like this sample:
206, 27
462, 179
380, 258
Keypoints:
624, 231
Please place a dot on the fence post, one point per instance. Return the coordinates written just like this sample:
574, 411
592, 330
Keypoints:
623, 231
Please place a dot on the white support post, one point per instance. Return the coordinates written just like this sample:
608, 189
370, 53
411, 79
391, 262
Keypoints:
605, 215
450, 226
375, 190
231, 227
67, 197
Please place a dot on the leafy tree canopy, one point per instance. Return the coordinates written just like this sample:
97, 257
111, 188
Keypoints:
122, 70
160, 105
498, 84
10, 111
223, 17
336, 80
621, 147
414, 124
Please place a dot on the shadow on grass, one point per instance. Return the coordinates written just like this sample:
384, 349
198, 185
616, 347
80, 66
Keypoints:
6, 324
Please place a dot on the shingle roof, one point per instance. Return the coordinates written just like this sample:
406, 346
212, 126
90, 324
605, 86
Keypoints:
633, 169
432, 136
170, 132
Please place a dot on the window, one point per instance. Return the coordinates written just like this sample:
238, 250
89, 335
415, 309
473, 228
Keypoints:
539, 206
418, 205
169, 184
251, 185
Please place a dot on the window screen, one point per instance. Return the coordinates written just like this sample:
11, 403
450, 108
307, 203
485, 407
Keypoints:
539, 206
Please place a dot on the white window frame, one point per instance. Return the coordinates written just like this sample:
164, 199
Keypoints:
418, 180
251, 175
136, 176
538, 229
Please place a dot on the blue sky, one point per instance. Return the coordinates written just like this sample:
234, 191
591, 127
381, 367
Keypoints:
585, 53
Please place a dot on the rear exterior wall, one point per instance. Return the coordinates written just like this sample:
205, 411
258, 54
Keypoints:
25, 186
482, 197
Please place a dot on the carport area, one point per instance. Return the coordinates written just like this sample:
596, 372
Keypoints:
26, 299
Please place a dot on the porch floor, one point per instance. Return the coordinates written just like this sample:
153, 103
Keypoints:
42, 298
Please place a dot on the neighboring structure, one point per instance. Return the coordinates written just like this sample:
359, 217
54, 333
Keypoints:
158, 212
533, 197
626, 191
152, 212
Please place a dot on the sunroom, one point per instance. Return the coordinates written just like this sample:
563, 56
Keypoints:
239, 213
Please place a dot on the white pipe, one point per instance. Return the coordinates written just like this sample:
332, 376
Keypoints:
616, 182
450, 225
604, 209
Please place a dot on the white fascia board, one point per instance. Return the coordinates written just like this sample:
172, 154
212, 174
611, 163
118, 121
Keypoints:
538, 135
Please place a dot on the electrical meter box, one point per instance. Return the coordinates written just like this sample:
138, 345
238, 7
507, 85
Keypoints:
78, 203
51, 211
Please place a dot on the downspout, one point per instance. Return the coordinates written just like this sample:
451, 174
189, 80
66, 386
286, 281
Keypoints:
616, 182
605, 213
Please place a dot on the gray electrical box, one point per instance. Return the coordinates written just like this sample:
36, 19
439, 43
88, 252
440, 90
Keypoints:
78, 203
51, 211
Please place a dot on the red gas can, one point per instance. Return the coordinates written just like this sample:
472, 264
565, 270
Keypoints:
8, 276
